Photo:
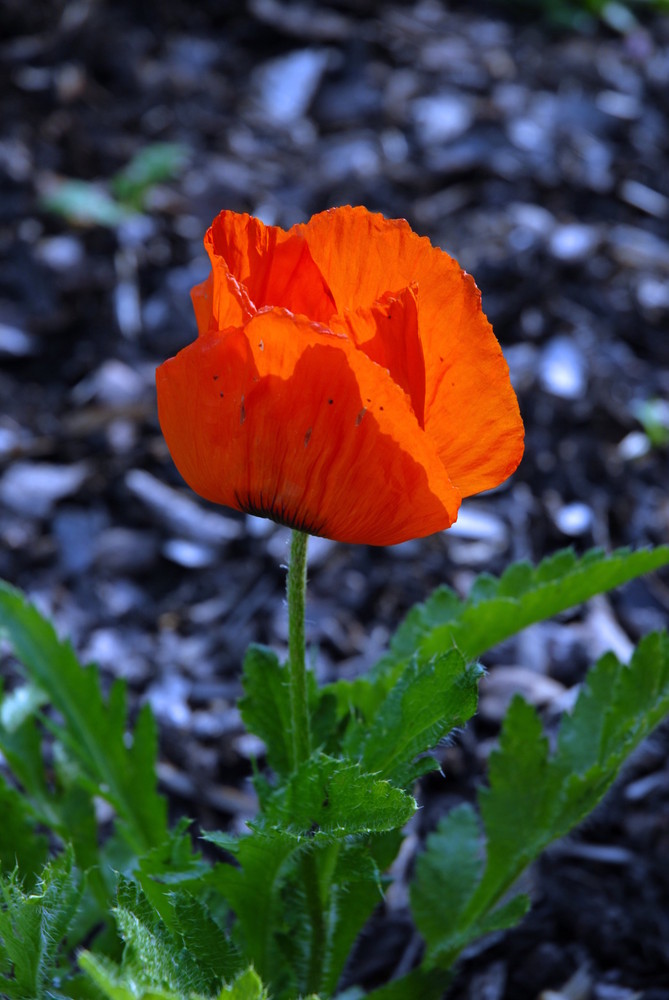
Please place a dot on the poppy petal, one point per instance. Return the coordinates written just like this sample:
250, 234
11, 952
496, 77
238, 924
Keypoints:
201, 297
471, 412
255, 266
388, 334
285, 419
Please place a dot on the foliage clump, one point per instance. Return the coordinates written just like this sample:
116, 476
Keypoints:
134, 911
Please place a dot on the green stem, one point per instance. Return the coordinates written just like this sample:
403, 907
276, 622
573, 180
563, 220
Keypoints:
296, 586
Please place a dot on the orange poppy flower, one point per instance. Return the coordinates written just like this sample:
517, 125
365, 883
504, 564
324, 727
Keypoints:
344, 382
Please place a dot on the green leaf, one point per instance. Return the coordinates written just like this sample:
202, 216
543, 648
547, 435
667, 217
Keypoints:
63, 806
617, 708
161, 161
427, 702
498, 608
34, 929
265, 707
265, 859
22, 749
520, 799
131, 982
653, 415
495, 610
84, 203
20, 844
355, 889
326, 802
323, 805
446, 871
116, 983
169, 867
93, 732
111, 981
504, 916
359, 699
204, 939
426, 984
442, 606
247, 986
534, 797
447, 874
328, 798
150, 947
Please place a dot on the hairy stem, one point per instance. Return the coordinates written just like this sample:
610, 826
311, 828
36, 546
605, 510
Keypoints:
296, 586
301, 741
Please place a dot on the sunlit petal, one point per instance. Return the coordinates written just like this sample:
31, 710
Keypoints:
285, 419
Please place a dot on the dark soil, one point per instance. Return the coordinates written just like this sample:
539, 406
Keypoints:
541, 161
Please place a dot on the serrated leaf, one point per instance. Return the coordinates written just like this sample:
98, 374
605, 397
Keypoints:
116, 983
94, 732
328, 798
247, 986
534, 797
495, 610
446, 871
204, 939
355, 890
521, 795
427, 702
265, 707
109, 979
323, 805
524, 595
34, 928
499, 607
168, 867
227, 842
160, 955
62, 806
617, 708
442, 606
253, 887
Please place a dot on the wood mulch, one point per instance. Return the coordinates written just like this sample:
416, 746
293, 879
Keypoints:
540, 160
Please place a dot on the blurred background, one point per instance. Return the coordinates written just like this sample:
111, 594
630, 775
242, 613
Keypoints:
531, 141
